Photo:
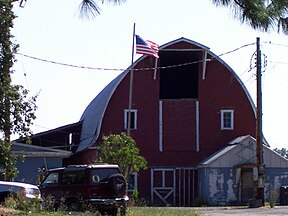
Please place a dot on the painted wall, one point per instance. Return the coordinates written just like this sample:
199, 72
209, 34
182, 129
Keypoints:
275, 178
219, 186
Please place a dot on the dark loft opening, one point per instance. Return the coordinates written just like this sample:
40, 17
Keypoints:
182, 81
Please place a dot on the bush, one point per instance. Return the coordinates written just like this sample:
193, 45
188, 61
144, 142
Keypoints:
19, 202
273, 198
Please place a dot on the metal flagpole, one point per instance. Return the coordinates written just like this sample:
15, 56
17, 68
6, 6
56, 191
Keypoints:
155, 68
131, 85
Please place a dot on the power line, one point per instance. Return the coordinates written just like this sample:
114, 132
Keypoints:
278, 62
118, 69
275, 44
69, 65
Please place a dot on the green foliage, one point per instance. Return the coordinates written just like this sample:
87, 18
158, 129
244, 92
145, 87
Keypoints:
274, 195
20, 203
260, 14
122, 150
8, 160
90, 9
283, 152
17, 110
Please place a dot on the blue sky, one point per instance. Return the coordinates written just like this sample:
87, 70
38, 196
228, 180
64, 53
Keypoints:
53, 31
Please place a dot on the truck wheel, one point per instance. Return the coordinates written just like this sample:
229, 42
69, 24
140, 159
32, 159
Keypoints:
110, 212
73, 205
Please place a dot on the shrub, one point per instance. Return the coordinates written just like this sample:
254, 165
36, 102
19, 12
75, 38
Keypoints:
21, 203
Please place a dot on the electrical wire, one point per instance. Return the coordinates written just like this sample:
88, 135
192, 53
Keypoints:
118, 69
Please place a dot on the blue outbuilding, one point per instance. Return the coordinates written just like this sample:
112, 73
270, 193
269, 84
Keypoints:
230, 175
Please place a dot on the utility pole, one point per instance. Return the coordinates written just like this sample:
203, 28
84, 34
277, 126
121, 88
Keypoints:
259, 136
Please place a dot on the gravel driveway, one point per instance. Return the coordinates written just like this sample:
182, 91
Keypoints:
242, 211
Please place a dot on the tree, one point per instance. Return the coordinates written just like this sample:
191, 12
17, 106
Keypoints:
89, 8
283, 152
17, 110
122, 150
260, 14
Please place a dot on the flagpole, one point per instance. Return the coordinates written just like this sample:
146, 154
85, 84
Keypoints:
131, 85
155, 67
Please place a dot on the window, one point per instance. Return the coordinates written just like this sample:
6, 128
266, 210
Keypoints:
74, 177
52, 178
133, 120
102, 175
227, 119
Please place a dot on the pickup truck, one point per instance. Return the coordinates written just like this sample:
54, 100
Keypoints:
28, 191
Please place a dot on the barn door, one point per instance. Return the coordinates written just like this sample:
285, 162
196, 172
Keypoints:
173, 186
163, 186
247, 185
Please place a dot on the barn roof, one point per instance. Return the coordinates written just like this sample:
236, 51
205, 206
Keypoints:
93, 114
242, 150
27, 150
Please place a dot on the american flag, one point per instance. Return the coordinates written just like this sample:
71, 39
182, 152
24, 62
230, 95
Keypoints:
146, 47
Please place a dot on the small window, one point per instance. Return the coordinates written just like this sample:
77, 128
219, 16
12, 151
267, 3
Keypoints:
227, 119
102, 175
75, 177
52, 178
133, 120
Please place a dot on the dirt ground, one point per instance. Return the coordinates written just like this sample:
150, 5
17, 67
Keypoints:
243, 211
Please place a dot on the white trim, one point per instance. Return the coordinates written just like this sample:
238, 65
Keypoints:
232, 119
161, 126
197, 127
126, 111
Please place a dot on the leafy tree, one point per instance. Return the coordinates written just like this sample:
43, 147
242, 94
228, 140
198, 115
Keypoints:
260, 14
16, 108
122, 150
283, 152
89, 8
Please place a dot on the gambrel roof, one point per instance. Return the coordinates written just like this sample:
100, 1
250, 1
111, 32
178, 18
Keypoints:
94, 113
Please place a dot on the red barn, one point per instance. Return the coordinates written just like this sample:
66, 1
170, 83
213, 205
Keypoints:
183, 110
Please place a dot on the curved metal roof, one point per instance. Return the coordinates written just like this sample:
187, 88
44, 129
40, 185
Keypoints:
93, 114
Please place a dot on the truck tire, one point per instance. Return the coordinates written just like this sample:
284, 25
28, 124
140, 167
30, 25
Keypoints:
117, 185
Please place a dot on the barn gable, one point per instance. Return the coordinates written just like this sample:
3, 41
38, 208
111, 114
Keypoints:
241, 151
176, 83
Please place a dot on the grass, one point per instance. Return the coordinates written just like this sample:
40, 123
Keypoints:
167, 211
133, 211
19, 206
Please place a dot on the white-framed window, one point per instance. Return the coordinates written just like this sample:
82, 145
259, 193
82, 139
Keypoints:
133, 119
227, 119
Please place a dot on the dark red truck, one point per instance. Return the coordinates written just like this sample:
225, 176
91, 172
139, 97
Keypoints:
101, 186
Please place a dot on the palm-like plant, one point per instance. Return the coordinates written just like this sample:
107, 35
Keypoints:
260, 14
91, 8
